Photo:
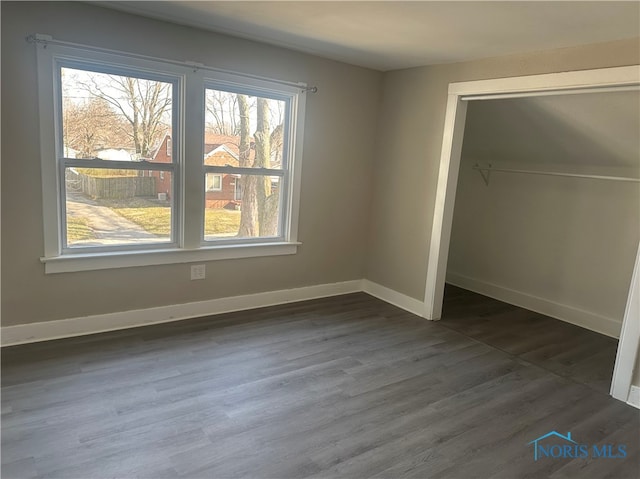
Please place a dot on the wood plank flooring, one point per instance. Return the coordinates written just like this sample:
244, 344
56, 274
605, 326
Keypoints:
339, 387
565, 349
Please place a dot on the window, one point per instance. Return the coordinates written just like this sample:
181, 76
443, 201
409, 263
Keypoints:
113, 198
214, 182
245, 138
110, 120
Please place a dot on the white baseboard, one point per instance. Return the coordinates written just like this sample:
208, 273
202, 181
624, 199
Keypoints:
100, 323
64, 328
594, 322
634, 397
393, 297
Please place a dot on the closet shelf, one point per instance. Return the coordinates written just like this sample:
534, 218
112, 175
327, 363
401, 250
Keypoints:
485, 172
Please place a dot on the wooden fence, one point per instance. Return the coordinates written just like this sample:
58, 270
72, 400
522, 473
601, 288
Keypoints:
118, 187
226, 204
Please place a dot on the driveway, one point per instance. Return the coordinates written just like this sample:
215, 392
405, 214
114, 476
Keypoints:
109, 227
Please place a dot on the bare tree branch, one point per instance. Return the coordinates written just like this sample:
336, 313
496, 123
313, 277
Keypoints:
144, 104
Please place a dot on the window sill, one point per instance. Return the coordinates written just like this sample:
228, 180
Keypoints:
113, 260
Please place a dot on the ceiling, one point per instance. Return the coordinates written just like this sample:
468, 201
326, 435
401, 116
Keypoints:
589, 129
389, 35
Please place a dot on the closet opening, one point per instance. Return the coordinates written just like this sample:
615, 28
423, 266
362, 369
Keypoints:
538, 254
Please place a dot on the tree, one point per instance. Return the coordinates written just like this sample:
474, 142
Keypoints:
222, 107
92, 125
249, 211
144, 104
277, 138
260, 197
266, 197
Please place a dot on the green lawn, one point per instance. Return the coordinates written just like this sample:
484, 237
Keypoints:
221, 221
154, 219
78, 229
157, 219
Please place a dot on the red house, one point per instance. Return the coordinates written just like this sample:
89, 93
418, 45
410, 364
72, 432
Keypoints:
222, 190
163, 155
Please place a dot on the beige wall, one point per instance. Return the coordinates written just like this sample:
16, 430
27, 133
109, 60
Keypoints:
338, 151
408, 153
597, 131
346, 174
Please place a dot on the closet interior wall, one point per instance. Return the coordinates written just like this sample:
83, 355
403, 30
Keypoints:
564, 244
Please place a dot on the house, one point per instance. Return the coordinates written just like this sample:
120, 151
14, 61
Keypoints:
114, 154
362, 326
70, 152
162, 154
222, 190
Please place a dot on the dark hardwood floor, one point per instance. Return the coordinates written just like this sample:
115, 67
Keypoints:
565, 349
339, 387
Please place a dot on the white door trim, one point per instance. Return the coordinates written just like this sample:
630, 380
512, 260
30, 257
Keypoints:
445, 197
584, 81
629, 340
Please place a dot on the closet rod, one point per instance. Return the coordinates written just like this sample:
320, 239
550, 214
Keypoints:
489, 169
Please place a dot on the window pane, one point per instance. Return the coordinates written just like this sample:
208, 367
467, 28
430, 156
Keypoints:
243, 130
115, 117
246, 206
214, 183
106, 207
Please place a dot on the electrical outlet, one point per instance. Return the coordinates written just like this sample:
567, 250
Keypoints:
198, 271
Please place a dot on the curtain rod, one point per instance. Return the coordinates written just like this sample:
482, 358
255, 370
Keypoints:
41, 39
486, 172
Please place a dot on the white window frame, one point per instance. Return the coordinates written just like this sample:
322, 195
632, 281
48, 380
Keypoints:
214, 176
188, 243
290, 97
